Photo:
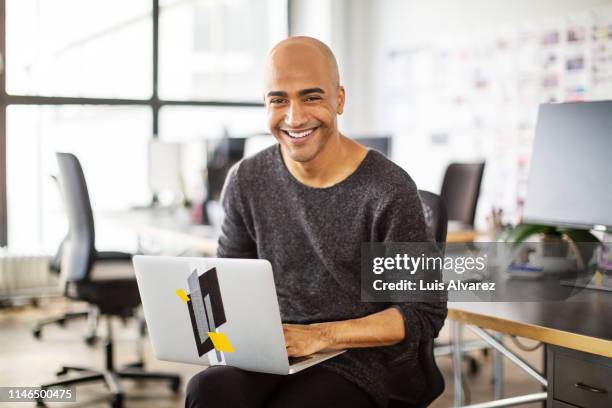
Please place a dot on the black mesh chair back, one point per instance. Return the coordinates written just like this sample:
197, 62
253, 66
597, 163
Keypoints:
436, 218
460, 191
79, 248
226, 152
401, 396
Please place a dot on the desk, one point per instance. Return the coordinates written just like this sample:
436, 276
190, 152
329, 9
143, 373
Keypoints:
579, 326
167, 224
582, 325
458, 237
171, 223
458, 232
202, 238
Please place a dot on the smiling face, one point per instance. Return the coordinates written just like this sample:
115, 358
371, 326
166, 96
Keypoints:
302, 97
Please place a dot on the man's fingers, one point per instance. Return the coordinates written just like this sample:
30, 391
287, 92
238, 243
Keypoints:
293, 352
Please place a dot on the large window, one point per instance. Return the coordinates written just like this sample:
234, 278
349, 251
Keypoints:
79, 48
215, 49
112, 153
101, 78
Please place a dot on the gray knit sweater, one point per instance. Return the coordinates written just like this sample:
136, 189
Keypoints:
313, 236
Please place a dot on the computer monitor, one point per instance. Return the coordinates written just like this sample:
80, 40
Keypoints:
570, 180
164, 169
381, 143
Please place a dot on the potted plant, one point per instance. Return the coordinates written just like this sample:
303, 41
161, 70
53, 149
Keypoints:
558, 240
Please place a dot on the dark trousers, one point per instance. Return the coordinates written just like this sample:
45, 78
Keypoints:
230, 387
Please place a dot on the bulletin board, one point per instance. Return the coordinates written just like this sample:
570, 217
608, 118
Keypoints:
476, 97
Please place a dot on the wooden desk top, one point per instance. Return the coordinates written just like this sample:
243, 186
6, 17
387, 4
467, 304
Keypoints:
584, 325
458, 237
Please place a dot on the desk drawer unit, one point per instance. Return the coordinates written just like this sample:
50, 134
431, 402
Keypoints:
578, 379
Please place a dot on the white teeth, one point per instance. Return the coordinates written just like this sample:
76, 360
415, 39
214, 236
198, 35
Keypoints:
298, 135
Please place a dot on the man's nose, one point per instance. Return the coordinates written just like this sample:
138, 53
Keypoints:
295, 116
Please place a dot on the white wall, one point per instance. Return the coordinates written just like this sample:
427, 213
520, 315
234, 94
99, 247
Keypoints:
412, 23
415, 22
362, 32
344, 25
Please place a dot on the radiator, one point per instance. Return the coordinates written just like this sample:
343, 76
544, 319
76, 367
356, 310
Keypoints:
26, 275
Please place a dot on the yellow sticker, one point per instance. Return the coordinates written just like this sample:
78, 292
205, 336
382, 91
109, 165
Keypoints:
181, 294
220, 342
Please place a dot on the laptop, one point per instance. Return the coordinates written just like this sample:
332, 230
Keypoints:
216, 311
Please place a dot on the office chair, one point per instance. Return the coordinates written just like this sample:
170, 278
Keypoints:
223, 155
108, 284
401, 397
460, 191
90, 314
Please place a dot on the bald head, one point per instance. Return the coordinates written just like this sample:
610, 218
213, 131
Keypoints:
303, 97
294, 51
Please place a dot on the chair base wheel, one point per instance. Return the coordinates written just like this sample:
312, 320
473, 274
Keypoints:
473, 366
117, 401
91, 340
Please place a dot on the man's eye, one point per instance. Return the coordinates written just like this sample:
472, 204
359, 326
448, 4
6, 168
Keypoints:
277, 100
313, 98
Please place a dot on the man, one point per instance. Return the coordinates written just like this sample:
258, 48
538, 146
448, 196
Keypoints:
306, 205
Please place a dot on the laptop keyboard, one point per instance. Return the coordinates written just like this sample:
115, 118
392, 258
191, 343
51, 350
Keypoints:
295, 360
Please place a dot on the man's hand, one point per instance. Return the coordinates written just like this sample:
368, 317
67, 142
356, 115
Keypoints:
383, 328
304, 339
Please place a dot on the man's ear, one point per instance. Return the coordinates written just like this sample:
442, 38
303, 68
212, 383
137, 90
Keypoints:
340, 101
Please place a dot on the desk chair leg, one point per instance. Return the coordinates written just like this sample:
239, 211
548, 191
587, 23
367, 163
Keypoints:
76, 380
109, 346
114, 386
137, 365
60, 321
83, 378
457, 338
92, 326
110, 376
92, 323
65, 369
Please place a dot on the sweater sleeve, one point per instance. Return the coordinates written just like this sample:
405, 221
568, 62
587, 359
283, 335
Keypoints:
401, 220
237, 240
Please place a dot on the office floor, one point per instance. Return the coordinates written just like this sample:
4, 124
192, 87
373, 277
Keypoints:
26, 361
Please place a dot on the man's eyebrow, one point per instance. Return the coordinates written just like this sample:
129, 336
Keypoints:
300, 93
277, 93
310, 90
